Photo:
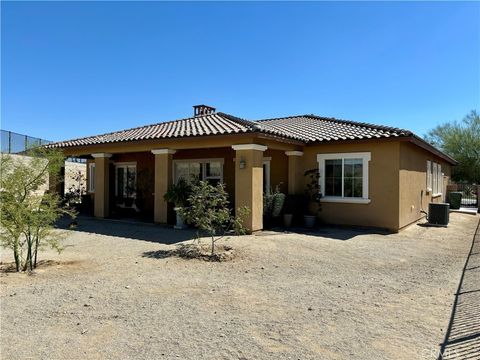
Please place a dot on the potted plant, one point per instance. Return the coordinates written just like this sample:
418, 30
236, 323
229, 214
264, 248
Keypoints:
314, 196
273, 203
178, 195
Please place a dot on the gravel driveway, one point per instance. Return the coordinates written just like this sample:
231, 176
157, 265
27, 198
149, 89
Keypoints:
335, 294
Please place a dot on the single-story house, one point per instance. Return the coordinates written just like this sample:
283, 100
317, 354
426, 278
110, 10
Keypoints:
370, 175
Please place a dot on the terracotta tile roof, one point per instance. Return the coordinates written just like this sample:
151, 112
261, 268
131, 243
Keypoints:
212, 124
312, 128
305, 128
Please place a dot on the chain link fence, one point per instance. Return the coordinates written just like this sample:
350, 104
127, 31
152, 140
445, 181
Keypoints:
13, 143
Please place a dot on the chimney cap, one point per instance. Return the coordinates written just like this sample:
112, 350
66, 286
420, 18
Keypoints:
201, 109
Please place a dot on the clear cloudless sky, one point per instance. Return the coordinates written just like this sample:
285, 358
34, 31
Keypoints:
72, 69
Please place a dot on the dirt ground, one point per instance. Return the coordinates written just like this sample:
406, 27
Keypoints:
334, 294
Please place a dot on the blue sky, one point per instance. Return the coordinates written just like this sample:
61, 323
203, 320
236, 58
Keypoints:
72, 69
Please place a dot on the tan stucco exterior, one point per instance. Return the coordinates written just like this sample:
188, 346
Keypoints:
396, 175
382, 211
249, 186
102, 185
413, 182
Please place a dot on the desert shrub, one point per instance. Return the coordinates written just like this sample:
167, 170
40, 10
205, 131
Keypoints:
207, 208
27, 214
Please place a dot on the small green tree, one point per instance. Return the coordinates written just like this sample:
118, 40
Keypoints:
27, 213
461, 140
208, 209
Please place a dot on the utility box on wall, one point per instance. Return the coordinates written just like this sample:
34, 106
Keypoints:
438, 214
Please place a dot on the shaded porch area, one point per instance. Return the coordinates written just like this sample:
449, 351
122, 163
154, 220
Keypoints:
132, 184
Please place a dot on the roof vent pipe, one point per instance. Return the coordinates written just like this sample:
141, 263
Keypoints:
199, 110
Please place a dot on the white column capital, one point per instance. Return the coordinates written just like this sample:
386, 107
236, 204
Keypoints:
249, 147
294, 153
102, 155
163, 151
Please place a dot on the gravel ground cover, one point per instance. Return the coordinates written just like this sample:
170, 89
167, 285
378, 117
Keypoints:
333, 294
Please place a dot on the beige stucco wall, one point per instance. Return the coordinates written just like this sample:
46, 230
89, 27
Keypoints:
278, 169
71, 170
397, 172
413, 182
383, 210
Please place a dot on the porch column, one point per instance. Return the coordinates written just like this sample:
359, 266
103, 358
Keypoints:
163, 179
294, 172
249, 183
102, 185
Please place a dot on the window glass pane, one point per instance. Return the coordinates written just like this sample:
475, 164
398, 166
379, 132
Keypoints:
333, 177
348, 187
131, 181
195, 172
358, 187
181, 171
120, 182
358, 166
353, 173
348, 168
213, 169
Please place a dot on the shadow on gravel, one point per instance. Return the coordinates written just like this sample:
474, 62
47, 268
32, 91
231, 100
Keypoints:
194, 251
342, 233
127, 229
462, 339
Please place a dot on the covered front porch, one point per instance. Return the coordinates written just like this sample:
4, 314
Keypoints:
131, 182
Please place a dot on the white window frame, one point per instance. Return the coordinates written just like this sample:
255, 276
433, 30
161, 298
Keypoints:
439, 182
125, 165
203, 165
365, 156
429, 177
91, 177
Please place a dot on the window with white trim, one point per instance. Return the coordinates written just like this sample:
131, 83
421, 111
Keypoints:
429, 176
125, 180
434, 178
210, 170
91, 177
344, 176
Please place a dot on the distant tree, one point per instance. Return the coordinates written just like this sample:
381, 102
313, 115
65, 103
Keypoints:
460, 140
28, 213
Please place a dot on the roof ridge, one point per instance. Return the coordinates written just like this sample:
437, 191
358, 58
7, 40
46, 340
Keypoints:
358, 123
252, 124
281, 117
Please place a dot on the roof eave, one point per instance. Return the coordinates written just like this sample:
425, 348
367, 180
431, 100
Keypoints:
414, 139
